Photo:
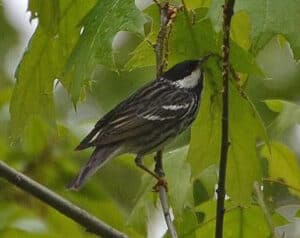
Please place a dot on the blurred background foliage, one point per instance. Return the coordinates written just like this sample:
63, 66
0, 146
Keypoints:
86, 56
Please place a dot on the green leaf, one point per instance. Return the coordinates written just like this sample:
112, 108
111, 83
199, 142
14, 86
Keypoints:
178, 176
282, 72
36, 136
200, 40
275, 105
116, 186
7, 41
240, 29
194, 4
245, 128
204, 185
208, 208
283, 166
95, 44
143, 55
266, 20
205, 147
185, 225
41, 64
188, 41
246, 222
288, 117
47, 12
243, 61
239, 221
178, 173
97, 202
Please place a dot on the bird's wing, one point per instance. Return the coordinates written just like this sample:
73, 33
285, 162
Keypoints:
150, 107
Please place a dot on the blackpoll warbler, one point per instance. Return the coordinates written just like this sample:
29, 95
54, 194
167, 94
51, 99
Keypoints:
146, 120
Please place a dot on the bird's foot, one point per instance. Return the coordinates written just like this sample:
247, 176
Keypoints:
161, 182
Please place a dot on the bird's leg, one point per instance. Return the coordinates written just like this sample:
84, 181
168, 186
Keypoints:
160, 172
139, 162
158, 164
161, 181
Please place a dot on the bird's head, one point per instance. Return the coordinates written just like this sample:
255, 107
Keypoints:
187, 74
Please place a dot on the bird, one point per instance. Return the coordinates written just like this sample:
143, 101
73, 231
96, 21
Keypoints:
146, 121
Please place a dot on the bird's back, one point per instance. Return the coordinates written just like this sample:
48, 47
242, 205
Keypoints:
153, 114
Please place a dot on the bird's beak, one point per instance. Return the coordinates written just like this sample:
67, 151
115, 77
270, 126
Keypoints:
204, 58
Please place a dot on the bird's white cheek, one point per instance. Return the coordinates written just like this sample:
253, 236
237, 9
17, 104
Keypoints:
190, 81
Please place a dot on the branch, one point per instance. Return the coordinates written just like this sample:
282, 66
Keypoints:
163, 196
167, 15
227, 14
91, 223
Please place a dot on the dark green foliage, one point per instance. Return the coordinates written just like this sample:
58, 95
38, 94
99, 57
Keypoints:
71, 60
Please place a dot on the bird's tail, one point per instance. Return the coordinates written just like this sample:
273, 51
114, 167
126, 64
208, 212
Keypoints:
99, 157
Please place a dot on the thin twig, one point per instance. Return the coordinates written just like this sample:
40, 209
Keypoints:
82, 217
227, 14
165, 206
261, 203
167, 15
163, 196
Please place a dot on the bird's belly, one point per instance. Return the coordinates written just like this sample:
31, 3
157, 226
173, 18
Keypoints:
156, 139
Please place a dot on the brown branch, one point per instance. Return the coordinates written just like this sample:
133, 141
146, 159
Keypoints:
227, 14
167, 15
82, 217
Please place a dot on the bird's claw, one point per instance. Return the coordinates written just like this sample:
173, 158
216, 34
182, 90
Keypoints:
160, 182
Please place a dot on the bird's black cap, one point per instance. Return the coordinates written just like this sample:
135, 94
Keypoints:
183, 69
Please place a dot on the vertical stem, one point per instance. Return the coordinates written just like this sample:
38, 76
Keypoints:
163, 195
161, 61
227, 14
167, 15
